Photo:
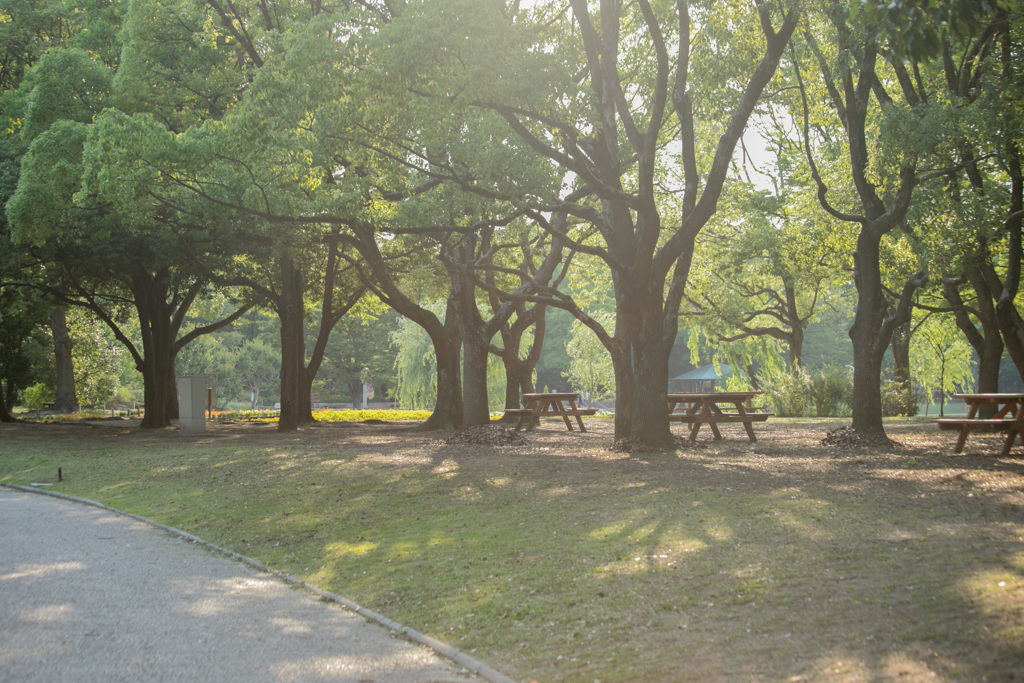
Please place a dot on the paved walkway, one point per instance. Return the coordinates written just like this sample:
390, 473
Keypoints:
90, 595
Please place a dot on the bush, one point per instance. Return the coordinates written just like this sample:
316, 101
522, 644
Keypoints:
789, 394
831, 391
823, 393
900, 399
36, 396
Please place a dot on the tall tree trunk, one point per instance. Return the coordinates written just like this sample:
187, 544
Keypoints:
330, 315
868, 337
475, 347
475, 354
447, 343
872, 331
899, 345
1011, 324
65, 400
295, 408
5, 413
640, 361
158, 348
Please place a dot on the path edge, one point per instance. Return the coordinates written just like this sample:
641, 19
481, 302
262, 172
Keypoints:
469, 663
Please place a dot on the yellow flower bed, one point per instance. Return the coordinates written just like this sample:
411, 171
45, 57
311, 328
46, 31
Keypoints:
328, 415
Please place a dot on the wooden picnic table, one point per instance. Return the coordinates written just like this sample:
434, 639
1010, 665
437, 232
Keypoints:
1008, 417
563, 405
697, 409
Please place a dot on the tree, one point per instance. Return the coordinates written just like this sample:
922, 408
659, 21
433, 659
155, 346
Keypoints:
765, 266
614, 134
65, 399
858, 95
941, 359
590, 367
778, 255
361, 341
259, 365
22, 318
99, 360
99, 265
986, 190
218, 97
99, 258
28, 29
356, 178
415, 363
474, 253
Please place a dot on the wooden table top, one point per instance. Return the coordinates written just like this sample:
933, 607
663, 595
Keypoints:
572, 395
989, 398
721, 395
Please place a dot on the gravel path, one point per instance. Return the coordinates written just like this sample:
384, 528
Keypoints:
90, 595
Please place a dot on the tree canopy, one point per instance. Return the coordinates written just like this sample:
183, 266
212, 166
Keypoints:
726, 168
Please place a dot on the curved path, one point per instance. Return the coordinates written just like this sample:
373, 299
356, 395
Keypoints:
87, 594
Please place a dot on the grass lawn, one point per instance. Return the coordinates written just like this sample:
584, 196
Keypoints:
560, 560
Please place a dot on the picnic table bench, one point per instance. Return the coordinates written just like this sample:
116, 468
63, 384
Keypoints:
558, 404
697, 409
1008, 417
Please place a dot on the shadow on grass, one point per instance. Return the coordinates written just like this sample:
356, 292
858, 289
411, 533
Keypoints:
560, 560
583, 566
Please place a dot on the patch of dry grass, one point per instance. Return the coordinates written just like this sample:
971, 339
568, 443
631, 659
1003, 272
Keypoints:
561, 560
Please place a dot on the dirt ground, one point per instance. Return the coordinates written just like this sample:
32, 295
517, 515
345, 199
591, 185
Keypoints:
910, 567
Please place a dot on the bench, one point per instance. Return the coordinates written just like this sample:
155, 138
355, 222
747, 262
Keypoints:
519, 412
561, 405
724, 417
582, 411
1008, 417
995, 424
977, 424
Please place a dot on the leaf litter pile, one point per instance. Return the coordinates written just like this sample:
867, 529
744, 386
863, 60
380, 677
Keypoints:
848, 437
487, 435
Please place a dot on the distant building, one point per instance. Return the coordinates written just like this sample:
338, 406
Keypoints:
701, 380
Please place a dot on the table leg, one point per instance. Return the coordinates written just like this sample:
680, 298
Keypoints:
965, 430
579, 419
694, 409
1010, 439
558, 408
711, 412
528, 420
747, 425
1016, 429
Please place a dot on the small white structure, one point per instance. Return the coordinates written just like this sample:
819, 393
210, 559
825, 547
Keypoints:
192, 404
